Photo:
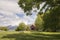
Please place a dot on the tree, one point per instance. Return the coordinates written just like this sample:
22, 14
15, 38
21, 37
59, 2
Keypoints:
21, 27
27, 5
39, 22
3, 28
27, 28
52, 19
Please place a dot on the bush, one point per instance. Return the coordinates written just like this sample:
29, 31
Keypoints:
21, 27
3, 28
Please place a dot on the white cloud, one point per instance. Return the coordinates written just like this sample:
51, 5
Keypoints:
8, 11
10, 6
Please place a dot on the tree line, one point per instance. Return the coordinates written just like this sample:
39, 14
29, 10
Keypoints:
49, 20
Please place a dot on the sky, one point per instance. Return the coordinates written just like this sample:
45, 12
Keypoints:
12, 14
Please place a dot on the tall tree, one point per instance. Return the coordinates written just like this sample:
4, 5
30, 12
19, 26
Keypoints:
27, 5
52, 20
39, 23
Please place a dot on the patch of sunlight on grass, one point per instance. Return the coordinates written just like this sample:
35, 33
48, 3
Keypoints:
50, 32
27, 32
8, 39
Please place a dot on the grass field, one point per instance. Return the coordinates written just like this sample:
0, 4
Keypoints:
27, 35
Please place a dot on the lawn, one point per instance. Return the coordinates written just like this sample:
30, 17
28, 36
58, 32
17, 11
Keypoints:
27, 35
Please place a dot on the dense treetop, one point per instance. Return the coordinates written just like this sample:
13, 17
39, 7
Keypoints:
27, 5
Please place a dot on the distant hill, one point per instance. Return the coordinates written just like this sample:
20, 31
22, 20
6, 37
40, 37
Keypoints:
11, 28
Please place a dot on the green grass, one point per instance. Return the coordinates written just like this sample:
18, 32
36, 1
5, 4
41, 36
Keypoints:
27, 35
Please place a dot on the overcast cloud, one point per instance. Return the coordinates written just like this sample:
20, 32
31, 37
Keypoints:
12, 14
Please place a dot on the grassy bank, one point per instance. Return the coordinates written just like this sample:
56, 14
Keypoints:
27, 35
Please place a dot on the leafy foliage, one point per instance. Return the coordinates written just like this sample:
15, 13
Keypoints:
27, 28
51, 19
39, 23
21, 27
27, 5
3, 28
